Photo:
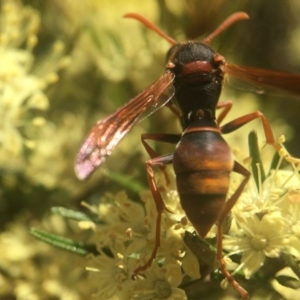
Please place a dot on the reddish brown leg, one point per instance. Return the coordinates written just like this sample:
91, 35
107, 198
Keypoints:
227, 107
159, 203
228, 206
167, 138
237, 123
174, 109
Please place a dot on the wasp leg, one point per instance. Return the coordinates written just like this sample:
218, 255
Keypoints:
159, 161
226, 105
239, 122
228, 206
161, 137
174, 109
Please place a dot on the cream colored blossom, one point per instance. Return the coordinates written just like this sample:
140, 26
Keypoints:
27, 140
259, 238
111, 274
130, 231
22, 96
122, 218
106, 40
50, 164
160, 283
18, 87
264, 221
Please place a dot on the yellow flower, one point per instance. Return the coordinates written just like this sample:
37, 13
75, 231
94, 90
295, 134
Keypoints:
258, 238
160, 283
22, 97
129, 230
111, 274
265, 221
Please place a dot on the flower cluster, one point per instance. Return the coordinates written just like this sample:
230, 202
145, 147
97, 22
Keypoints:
23, 100
129, 233
21, 92
265, 222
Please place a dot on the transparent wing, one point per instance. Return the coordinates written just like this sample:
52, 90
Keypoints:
108, 132
262, 79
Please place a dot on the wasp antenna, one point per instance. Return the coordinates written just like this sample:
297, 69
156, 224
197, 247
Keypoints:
238, 16
151, 26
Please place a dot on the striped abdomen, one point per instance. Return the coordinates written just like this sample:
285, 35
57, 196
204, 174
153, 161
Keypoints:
202, 162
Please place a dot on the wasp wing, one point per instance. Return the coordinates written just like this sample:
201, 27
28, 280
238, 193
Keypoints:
108, 132
263, 79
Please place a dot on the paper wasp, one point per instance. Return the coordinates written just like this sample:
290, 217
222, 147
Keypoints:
202, 160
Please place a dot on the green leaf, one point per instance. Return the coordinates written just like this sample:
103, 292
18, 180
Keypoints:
204, 252
256, 162
63, 242
73, 214
274, 162
124, 181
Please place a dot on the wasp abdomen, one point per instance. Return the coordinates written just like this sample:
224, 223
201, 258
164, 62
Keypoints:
202, 175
